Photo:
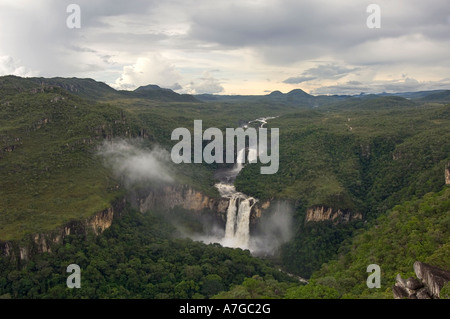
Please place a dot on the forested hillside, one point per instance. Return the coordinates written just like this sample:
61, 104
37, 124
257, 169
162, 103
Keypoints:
417, 230
137, 257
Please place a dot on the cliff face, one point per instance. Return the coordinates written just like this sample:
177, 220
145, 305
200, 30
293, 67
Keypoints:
447, 174
40, 243
185, 197
322, 213
171, 196
163, 198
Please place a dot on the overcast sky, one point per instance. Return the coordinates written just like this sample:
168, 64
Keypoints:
232, 46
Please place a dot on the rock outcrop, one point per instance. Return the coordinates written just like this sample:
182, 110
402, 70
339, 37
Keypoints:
427, 285
182, 196
44, 242
337, 216
447, 174
162, 198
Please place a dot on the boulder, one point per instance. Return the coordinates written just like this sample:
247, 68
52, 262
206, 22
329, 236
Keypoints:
413, 283
433, 277
399, 292
427, 285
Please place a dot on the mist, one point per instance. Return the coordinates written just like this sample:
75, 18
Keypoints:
134, 163
274, 228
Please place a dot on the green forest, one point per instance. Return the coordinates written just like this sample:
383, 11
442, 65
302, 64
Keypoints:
136, 258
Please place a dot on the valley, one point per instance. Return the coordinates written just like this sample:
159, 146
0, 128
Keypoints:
86, 177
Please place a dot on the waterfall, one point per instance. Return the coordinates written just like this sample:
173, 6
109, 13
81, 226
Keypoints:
242, 234
239, 161
231, 218
237, 228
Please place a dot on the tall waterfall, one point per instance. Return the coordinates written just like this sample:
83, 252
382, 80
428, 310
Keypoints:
242, 234
231, 218
237, 229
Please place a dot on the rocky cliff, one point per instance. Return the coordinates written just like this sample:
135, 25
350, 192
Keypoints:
162, 198
447, 174
337, 216
183, 196
44, 242
427, 285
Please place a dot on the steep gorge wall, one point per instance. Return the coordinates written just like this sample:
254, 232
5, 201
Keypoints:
337, 216
162, 198
447, 174
171, 196
183, 196
44, 242
165, 197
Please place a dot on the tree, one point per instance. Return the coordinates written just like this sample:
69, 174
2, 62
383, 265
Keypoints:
312, 291
212, 284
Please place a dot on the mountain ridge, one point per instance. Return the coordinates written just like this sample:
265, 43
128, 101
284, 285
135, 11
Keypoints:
91, 89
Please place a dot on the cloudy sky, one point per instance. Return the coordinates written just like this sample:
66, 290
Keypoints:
232, 46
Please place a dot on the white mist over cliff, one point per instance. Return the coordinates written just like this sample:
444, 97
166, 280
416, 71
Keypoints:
134, 163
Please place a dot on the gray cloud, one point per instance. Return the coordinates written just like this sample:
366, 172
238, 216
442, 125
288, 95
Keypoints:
290, 31
393, 86
298, 79
321, 72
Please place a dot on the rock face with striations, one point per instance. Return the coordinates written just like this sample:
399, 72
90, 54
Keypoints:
337, 216
171, 196
43, 242
427, 285
168, 197
447, 174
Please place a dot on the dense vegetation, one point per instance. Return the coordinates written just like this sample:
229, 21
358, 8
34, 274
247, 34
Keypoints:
358, 158
137, 257
416, 230
49, 172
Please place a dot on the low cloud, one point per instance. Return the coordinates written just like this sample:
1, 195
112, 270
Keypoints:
406, 84
134, 163
298, 79
321, 72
